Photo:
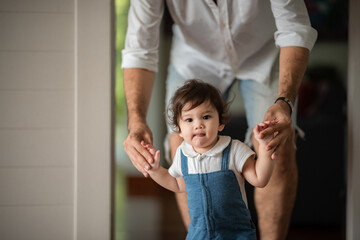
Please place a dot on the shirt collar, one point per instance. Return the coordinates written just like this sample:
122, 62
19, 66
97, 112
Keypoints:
219, 147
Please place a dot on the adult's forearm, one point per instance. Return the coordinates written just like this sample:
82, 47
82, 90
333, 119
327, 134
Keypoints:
293, 62
138, 84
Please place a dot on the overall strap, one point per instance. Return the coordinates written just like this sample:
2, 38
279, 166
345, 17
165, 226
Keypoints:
184, 164
225, 157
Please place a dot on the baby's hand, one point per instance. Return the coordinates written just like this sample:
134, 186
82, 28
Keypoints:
261, 127
156, 154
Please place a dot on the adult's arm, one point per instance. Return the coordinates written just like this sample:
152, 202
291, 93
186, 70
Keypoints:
293, 62
295, 37
138, 85
140, 62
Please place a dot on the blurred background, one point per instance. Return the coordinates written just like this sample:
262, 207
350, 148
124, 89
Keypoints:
63, 171
146, 211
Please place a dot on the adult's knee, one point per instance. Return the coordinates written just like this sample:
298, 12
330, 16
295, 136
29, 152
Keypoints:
286, 161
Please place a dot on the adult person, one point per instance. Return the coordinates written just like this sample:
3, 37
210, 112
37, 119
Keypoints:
221, 41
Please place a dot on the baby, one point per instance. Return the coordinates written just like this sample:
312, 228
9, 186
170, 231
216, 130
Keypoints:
212, 168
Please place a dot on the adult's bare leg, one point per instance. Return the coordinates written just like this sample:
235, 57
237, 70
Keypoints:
275, 202
175, 141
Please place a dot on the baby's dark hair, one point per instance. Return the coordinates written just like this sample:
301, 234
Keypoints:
196, 92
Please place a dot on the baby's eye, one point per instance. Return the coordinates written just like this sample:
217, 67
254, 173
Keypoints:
206, 117
188, 120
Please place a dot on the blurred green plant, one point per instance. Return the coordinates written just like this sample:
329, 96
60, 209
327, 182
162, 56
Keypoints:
121, 13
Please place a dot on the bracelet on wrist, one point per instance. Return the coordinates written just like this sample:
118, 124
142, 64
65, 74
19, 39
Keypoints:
289, 103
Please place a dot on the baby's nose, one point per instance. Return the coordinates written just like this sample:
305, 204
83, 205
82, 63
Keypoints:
199, 124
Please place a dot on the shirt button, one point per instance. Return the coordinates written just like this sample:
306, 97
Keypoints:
228, 47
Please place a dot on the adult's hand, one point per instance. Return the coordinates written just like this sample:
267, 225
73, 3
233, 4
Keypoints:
280, 131
140, 157
138, 85
293, 61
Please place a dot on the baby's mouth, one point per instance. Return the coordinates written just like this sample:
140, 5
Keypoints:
199, 135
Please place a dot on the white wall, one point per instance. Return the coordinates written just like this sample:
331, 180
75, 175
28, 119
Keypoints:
94, 149
55, 119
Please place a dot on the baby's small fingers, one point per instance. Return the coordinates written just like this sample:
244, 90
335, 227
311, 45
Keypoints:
260, 127
151, 150
149, 147
157, 156
257, 130
272, 123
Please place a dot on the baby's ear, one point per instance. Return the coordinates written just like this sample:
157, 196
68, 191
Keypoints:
179, 131
221, 127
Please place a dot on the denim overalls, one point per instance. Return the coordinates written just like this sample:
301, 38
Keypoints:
216, 208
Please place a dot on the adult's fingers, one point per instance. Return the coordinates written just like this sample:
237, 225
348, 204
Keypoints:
278, 139
273, 155
140, 157
137, 160
273, 127
149, 147
269, 131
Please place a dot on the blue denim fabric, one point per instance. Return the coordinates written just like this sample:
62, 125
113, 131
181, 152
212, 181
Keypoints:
216, 208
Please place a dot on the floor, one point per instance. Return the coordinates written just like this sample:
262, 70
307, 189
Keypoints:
150, 212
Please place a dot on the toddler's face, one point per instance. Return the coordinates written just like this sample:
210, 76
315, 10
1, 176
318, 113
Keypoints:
200, 126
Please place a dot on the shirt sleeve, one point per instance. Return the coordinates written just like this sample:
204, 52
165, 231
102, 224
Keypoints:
241, 153
293, 24
142, 37
175, 168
